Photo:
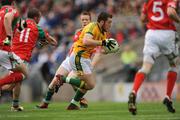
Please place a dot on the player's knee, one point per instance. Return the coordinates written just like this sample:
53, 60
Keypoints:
149, 59
145, 70
53, 83
90, 86
147, 64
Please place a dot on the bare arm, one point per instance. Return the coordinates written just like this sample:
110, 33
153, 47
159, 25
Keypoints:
8, 23
96, 59
173, 14
143, 18
88, 40
51, 40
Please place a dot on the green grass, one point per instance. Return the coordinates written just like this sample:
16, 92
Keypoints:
96, 111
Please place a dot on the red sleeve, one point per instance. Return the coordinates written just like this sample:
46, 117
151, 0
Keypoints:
46, 33
76, 36
172, 4
144, 9
15, 13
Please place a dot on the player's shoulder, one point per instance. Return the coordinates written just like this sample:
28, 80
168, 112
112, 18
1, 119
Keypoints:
31, 22
90, 24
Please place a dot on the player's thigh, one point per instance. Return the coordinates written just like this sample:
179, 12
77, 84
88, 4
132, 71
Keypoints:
8, 87
169, 43
83, 68
72, 74
5, 60
65, 67
90, 81
62, 71
151, 47
19, 64
80, 65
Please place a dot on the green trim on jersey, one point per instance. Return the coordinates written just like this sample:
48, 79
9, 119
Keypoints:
14, 23
89, 33
41, 32
6, 10
78, 62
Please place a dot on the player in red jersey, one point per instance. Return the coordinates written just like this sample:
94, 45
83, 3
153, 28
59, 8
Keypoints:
9, 17
22, 45
65, 68
160, 38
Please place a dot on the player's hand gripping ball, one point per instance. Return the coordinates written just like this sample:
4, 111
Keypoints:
110, 45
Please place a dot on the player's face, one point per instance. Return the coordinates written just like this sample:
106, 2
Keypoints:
37, 19
85, 19
107, 24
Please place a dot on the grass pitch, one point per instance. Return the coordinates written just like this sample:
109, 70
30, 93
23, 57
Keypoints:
96, 111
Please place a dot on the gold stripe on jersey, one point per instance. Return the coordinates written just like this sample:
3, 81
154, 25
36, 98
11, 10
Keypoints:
93, 29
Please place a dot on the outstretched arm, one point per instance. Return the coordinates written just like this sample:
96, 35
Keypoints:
143, 16
51, 40
171, 11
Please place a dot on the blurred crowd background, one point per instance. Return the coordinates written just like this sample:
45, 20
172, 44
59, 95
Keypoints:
61, 18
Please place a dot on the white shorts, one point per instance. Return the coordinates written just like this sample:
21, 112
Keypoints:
80, 64
159, 42
66, 65
9, 60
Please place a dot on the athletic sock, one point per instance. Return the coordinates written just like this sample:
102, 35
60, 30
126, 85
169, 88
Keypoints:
15, 103
77, 97
139, 78
171, 79
74, 81
48, 96
75, 88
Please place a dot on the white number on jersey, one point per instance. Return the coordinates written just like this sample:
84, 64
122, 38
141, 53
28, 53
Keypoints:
157, 9
24, 35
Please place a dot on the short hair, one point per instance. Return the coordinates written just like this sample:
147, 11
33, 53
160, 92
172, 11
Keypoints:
6, 2
86, 13
104, 16
33, 12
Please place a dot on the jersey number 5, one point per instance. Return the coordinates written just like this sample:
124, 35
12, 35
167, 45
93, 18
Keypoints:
157, 9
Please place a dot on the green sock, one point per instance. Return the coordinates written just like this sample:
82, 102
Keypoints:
74, 81
75, 88
49, 95
77, 97
15, 103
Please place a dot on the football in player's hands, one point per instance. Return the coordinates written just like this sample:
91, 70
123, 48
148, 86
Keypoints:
110, 45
